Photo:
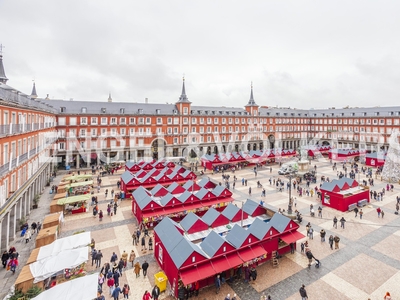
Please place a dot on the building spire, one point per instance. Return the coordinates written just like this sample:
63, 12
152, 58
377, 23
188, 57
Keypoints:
34, 94
3, 77
251, 100
109, 97
183, 97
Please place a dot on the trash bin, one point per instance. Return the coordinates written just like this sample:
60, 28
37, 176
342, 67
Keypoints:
160, 280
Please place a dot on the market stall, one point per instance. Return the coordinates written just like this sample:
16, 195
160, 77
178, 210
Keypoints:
375, 159
54, 219
74, 204
344, 194
46, 236
79, 188
82, 288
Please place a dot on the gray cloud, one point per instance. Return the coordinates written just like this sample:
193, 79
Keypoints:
297, 53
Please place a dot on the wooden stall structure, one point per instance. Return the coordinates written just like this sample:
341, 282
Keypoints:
52, 220
46, 236
25, 280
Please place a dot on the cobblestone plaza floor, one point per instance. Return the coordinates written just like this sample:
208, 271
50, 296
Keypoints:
366, 265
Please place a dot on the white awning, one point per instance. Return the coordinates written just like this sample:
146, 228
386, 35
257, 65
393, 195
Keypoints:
67, 259
82, 288
68, 243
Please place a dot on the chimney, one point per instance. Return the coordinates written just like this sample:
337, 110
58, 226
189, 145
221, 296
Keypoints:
146, 100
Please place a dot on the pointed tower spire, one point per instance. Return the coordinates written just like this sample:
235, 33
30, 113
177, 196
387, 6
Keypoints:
183, 97
3, 77
34, 94
251, 100
109, 97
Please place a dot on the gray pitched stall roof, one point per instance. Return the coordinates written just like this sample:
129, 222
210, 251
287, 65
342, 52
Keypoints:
189, 220
164, 200
230, 211
259, 228
210, 216
157, 188
142, 197
380, 155
212, 243
129, 164
201, 193
250, 206
191, 185
169, 235
237, 236
279, 222
204, 181
342, 181
328, 186
173, 186
184, 196
218, 190
183, 250
127, 177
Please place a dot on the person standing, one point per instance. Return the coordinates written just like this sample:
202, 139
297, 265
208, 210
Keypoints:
361, 213
13, 263
145, 266
322, 233
217, 284
320, 211
144, 243
134, 240
303, 292
28, 235
101, 215
124, 257
378, 210
382, 213
356, 212
150, 243
292, 248
94, 253
250, 191
99, 256
155, 292
132, 257
331, 241
342, 221
110, 284
336, 239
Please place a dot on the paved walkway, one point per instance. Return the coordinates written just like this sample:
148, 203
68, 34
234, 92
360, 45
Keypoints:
366, 265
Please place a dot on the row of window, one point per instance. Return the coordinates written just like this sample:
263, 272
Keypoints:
7, 117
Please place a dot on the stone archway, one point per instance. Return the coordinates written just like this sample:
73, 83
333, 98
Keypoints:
215, 149
271, 139
254, 146
236, 148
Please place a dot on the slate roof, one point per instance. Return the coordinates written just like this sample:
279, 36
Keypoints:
167, 198
210, 216
157, 188
201, 193
183, 251
212, 243
259, 228
250, 206
127, 177
377, 155
142, 197
191, 185
279, 222
189, 220
203, 181
129, 164
218, 190
173, 186
184, 196
237, 235
230, 211
328, 186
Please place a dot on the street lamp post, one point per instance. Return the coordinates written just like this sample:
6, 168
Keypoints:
290, 175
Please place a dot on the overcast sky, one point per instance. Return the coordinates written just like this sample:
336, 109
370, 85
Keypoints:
303, 54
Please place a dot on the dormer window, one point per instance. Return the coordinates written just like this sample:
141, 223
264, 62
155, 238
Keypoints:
140, 111
174, 111
103, 110
63, 109
158, 111
122, 110
84, 110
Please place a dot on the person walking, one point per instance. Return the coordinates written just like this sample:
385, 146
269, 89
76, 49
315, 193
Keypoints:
137, 269
311, 233
155, 293
144, 243
94, 253
303, 292
361, 213
150, 243
331, 241
382, 213
101, 215
124, 258
132, 257
116, 292
125, 291
250, 191
356, 212
28, 235
4, 258
13, 264
335, 222
146, 296
342, 221
134, 239
145, 266
320, 211
110, 284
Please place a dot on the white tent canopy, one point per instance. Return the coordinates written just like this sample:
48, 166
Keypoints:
82, 288
74, 241
67, 259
